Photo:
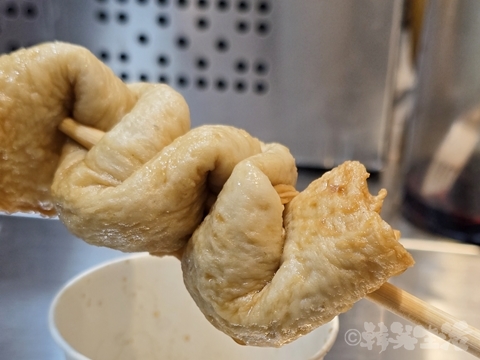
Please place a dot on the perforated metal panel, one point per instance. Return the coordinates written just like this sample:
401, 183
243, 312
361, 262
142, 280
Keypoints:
198, 45
25, 23
314, 75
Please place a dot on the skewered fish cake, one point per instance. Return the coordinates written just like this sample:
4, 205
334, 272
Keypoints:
39, 87
263, 272
267, 283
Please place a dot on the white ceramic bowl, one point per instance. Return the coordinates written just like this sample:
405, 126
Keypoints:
138, 308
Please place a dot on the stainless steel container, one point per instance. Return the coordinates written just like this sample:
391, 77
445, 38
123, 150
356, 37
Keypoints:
442, 192
313, 75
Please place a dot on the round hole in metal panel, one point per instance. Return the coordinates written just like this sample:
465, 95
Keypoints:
202, 4
240, 86
101, 16
243, 6
261, 67
223, 5
263, 7
241, 66
162, 2
260, 87
124, 76
182, 81
30, 10
12, 45
201, 83
201, 63
221, 84
182, 42
123, 57
104, 55
242, 26
142, 2
202, 23
163, 78
262, 27
222, 44
182, 3
143, 77
163, 20
122, 17
143, 39
163, 60
10, 10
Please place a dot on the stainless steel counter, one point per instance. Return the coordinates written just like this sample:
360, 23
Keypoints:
37, 256
445, 275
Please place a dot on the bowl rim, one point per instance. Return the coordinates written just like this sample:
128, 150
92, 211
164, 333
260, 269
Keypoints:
71, 352
332, 337
54, 332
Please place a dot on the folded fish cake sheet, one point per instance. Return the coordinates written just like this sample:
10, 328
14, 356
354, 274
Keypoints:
266, 276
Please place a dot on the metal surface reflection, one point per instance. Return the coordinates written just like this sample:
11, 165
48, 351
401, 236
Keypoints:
444, 279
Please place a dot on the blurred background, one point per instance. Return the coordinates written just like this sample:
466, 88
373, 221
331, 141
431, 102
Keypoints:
317, 76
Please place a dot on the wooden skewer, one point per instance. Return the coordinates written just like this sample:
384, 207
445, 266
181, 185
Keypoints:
438, 322
286, 192
89, 136
84, 135
392, 298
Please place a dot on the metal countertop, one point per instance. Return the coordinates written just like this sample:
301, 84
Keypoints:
37, 256
445, 278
